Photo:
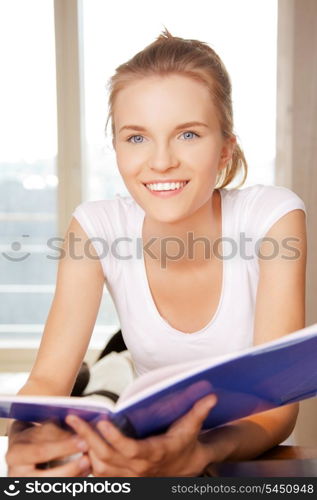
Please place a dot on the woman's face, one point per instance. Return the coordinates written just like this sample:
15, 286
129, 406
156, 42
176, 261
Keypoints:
157, 142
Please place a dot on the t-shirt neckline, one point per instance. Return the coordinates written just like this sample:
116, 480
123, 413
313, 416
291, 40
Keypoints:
147, 291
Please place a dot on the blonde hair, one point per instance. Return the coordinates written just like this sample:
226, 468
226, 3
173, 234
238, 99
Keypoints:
169, 55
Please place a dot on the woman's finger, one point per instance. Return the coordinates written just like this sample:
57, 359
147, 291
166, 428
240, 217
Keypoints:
29, 453
86, 473
20, 471
91, 437
73, 468
190, 424
130, 448
104, 469
19, 426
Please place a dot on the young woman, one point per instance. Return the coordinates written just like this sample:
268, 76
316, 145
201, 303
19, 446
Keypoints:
205, 282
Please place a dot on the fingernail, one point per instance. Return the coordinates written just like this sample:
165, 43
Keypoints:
211, 402
81, 444
84, 463
73, 419
70, 420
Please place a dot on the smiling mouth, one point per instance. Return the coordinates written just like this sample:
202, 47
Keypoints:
166, 186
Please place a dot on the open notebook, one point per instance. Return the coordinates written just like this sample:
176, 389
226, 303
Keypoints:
254, 380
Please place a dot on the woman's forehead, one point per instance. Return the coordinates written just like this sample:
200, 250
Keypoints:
174, 98
163, 88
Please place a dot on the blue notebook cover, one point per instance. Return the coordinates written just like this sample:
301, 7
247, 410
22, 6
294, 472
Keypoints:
250, 381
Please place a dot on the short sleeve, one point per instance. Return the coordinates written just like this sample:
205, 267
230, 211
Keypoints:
94, 218
267, 204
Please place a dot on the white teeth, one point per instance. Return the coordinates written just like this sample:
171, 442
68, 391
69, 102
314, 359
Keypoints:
166, 186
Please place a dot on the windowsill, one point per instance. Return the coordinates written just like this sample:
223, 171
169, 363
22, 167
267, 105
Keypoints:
22, 336
15, 359
95, 344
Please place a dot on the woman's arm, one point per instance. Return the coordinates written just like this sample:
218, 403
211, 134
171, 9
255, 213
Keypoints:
68, 328
280, 309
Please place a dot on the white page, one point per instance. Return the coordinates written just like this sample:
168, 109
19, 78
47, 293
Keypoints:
88, 402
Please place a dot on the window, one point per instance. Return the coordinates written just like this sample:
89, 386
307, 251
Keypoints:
112, 33
28, 178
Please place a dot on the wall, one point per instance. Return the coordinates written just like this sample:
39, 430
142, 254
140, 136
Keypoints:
296, 165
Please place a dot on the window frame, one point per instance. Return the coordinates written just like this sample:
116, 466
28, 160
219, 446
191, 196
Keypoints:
19, 355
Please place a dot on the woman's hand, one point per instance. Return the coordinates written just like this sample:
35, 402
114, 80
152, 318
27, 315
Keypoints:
178, 452
31, 445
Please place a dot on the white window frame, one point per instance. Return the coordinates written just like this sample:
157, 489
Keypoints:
70, 108
17, 356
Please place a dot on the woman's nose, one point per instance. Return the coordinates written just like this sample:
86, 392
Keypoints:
162, 158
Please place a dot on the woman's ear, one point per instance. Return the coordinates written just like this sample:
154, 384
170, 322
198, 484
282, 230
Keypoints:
227, 151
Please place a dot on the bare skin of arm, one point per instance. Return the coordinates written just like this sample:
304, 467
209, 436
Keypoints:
64, 343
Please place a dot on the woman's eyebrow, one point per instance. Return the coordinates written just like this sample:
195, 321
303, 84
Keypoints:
178, 127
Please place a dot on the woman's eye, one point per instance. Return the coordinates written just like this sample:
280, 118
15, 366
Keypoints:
189, 135
139, 139
136, 137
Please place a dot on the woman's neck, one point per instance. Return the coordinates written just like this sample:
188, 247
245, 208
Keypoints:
188, 241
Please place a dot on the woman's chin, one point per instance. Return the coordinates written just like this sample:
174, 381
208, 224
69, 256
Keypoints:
167, 217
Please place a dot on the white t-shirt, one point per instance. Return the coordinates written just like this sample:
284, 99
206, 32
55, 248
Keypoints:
115, 227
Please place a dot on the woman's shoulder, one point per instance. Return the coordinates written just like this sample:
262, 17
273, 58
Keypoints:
112, 218
259, 206
111, 207
264, 195
107, 221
